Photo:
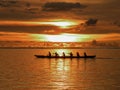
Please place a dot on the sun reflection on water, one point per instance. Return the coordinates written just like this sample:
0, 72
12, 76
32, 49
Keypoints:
60, 51
60, 73
60, 70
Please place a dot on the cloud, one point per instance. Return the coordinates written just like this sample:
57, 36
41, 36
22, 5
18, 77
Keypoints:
49, 29
9, 3
29, 10
61, 6
19, 10
98, 29
91, 22
45, 29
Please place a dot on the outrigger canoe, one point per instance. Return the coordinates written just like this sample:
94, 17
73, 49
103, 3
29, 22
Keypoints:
42, 56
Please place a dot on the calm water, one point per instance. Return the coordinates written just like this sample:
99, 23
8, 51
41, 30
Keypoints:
20, 70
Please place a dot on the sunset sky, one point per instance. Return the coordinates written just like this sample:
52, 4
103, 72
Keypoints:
33, 20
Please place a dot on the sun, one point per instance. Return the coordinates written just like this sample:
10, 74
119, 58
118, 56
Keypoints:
60, 23
61, 38
63, 24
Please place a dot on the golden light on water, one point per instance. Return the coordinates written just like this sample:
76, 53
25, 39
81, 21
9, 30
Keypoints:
60, 76
60, 51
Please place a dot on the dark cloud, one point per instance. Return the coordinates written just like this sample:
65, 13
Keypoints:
61, 6
49, 29
30, 10
10, 3
98, 29
91, 22
21, 10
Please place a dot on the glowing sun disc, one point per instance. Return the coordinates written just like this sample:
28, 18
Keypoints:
61, 38
62, 24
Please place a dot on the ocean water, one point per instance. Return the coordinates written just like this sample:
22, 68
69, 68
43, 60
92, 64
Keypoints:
21, 70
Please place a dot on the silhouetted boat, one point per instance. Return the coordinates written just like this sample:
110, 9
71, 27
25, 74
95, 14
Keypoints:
42, 56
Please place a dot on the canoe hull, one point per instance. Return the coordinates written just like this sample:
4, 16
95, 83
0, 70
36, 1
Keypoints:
41, 56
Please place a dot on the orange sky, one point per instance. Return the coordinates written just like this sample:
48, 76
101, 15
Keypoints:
33, 18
